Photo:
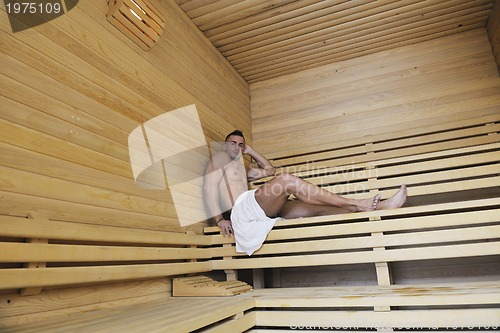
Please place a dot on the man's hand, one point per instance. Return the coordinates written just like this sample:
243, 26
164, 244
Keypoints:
247, 149
265, 168
226, 227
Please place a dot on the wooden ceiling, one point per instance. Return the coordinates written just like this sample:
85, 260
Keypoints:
263, 39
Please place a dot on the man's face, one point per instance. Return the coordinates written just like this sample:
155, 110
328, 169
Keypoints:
234, 146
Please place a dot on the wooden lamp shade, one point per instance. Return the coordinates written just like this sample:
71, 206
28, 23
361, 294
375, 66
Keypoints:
139, 20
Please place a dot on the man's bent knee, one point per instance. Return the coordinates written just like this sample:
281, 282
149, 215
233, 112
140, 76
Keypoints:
286, 178
288, 183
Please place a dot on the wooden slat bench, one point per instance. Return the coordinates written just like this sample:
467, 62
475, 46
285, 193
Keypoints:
452, 173
84, 253
43, 253
351, 308
179, 314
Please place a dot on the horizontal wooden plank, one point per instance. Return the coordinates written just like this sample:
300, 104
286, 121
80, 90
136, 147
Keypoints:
25, 228
380, 146
374, 96
448, 319
184, 315
57, 302
45, 277
420, 170
29, 252
365, 216
421, 55
342, 226
17, 204
37, 185
364, 242
425, 184
425, 253
370, 296
405, 223
402, 160
240, 323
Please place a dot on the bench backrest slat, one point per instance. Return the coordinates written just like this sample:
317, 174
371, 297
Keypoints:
363, 257
57, 276
430, 138
63, 230
78, 253
369, 242
401, 224
32, 252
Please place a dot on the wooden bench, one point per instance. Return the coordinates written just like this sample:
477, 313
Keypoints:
43, 253
453, 212
179, 314
351, 308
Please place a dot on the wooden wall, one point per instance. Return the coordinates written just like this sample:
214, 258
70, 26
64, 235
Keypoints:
443, 80
71, 91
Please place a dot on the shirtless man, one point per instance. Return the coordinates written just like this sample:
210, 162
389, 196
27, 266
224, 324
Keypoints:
250, 215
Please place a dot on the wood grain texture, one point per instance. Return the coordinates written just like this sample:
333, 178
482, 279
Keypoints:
427, 84
269, 39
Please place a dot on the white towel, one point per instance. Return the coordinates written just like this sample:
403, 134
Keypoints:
250, 223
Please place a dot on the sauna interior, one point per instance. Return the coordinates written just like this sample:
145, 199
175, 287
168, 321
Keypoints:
85, 248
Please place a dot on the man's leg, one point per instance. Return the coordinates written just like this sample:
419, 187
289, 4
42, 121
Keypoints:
273, 195
296, 208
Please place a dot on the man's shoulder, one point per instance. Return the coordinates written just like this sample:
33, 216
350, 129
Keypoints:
219, 160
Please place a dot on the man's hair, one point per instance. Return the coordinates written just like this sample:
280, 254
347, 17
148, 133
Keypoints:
235, 132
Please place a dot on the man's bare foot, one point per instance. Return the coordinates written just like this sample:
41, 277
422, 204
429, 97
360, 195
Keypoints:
396, 201
367, 205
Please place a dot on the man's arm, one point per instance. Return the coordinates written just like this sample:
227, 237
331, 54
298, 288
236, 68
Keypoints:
214, 174
265, 168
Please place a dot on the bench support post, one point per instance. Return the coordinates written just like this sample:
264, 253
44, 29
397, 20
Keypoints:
34, 265
258, 278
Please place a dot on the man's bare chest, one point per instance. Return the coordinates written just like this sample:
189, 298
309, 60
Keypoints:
235, 171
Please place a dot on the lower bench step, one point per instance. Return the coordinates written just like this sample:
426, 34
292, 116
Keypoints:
205, 286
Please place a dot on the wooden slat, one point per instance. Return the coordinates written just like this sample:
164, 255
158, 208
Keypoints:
419, 184
348, 219
14, 204
436, 28
73, 192
56, 302
365, 242
397, 224
371, 296
293, 36
44, 277
242, 323
309, 38
415, 144
300, 113
181, 315
381, 165
29, 252
348, 224
448, 319
24, 228
425, 253
426, 168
